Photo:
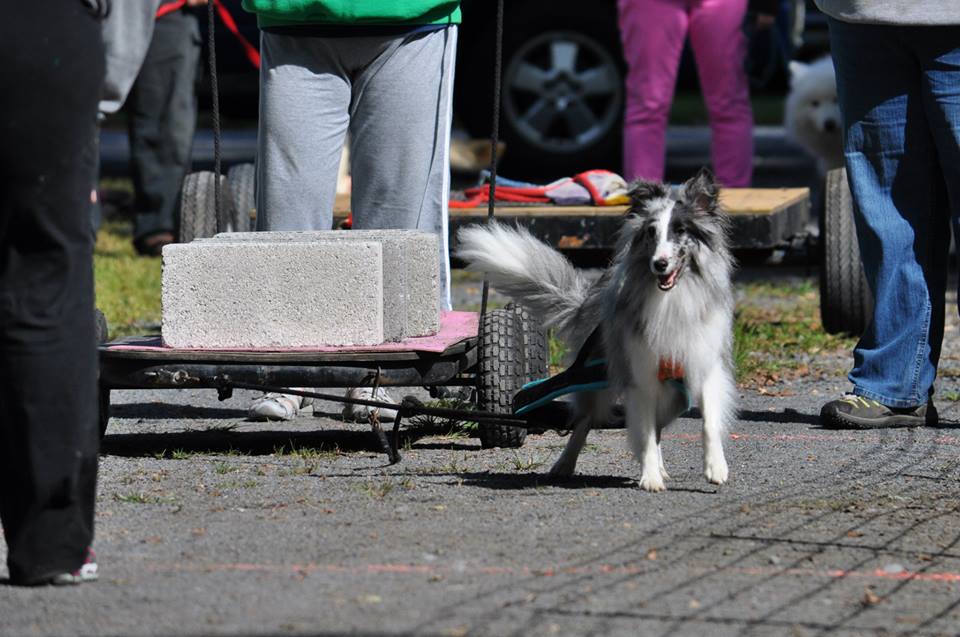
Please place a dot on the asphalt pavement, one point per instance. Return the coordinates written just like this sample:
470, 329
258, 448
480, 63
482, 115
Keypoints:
208, 524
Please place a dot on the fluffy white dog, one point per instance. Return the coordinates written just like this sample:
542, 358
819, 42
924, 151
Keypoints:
812, 116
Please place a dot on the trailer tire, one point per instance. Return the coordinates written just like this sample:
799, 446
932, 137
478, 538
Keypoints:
846, 303
241, 185
500, 370
536, 351
103, 395
198, 215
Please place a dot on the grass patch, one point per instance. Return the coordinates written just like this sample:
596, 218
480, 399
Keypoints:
377, 490
451, 428
778, 330
223, 467
141, 498
528, 463
127, 285
307, 458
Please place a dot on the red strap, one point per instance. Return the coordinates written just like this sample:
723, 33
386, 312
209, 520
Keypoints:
252, 54
170, 7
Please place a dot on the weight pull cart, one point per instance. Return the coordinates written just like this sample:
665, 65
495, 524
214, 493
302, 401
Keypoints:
497, 354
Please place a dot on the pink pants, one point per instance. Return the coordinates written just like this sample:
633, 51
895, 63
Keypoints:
653, 33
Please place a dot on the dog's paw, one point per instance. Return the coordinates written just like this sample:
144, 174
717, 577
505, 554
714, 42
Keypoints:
652, 482
663, 473
715, 470
562, 469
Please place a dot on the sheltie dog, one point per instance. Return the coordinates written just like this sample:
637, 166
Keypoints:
665, 302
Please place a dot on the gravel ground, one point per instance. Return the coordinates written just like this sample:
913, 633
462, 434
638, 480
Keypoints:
209, 524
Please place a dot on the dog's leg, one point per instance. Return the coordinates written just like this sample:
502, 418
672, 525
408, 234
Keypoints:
586, 412
663, 468
671, 402
642, 431
566, 464
716, 401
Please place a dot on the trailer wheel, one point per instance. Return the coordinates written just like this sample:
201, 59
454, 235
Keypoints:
536, 352
846, 304
198, 215
500, 368
102, 393
243, 202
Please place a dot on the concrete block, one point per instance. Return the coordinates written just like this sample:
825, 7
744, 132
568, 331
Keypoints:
255, 294
411, 270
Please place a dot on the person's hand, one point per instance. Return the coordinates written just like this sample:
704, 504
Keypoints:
764, 20
195, 3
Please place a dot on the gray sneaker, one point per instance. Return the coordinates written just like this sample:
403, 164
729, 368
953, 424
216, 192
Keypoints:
857, 412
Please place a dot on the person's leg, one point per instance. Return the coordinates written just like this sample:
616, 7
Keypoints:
304, 116
939, 54
304, 106
652, 33
49, 437
894, 177
162, 117
719, 45
400, 139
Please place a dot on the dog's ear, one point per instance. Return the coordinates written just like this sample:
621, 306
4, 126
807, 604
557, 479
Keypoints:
641, 191
797, 71
702, 193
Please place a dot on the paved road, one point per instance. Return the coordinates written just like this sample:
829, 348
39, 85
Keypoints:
208, 524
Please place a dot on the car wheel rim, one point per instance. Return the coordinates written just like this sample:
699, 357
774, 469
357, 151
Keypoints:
563, 91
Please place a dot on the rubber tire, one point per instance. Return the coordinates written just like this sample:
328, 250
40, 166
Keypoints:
536, 351
103, 395
198, 206
500, 371
846, 303
241, 186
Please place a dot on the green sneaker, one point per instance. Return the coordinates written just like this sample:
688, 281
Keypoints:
857, 412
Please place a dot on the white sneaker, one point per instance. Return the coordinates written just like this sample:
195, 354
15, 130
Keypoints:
361, 413
277, 407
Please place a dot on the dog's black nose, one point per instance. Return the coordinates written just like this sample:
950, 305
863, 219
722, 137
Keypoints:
829, 125
660, 265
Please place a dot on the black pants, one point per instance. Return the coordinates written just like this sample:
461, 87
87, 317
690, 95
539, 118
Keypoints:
51, 68
162, 117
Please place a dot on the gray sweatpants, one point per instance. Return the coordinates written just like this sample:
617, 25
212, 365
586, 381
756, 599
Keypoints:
393, 94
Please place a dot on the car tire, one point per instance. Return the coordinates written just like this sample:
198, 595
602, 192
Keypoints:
580, 126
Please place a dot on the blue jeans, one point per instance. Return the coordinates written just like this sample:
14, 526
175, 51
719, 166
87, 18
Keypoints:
899, 90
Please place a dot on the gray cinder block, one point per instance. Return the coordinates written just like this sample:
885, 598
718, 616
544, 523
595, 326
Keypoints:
411, 271
252, 294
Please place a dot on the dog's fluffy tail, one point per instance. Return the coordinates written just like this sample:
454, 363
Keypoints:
525, 269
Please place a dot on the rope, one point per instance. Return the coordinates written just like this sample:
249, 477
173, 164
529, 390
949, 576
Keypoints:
215, 94
494, 138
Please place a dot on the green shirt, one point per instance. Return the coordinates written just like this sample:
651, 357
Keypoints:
354, 12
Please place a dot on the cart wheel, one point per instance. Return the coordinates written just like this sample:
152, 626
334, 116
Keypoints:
846, 304
500, 368
243, 202
198, 215
536, 352
103, 394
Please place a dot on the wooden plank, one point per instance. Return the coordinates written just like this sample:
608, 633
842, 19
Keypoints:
763, 218
278, 358
737, 201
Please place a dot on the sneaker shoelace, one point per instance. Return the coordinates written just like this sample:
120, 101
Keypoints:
859, 401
